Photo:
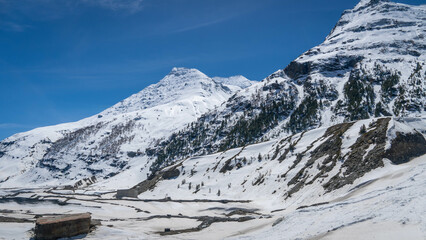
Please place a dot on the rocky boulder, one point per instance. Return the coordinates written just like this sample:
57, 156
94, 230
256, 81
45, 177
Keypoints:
61, 226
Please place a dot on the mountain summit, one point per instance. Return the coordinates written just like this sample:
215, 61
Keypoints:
368, 3
105, 144
179, 84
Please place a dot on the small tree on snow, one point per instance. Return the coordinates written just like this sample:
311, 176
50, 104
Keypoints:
362, 129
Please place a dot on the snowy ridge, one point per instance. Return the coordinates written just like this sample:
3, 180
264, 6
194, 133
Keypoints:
179, 84
372, 64
105, 144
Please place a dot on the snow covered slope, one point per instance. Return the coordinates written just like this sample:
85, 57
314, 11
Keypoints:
192, 199
385, 199
388, 205
362, 178
107, 143
306, 168
372, 64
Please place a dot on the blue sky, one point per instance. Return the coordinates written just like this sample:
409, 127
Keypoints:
63, 60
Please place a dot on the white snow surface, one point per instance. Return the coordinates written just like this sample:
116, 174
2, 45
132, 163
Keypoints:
386, 203
391, 205
249, 178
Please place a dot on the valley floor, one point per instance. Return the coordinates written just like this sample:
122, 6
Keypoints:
391, 204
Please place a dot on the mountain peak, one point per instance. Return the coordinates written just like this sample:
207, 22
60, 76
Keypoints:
382, 20
179, 71
181, 75
180, 83
367, 3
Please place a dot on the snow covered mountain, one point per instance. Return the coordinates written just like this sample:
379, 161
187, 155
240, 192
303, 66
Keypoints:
115, 139
372, 64
341, 182
333, 146
181, 84
297, 169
